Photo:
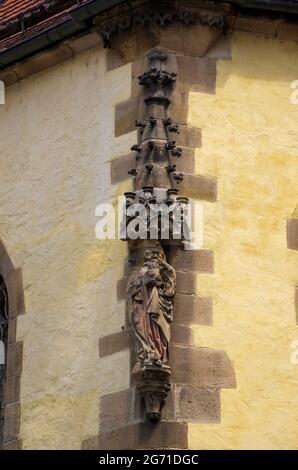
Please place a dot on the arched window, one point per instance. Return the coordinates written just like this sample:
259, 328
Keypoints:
11, 351
3, 346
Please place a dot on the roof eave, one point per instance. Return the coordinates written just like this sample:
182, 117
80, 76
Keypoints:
79, 21
277, 6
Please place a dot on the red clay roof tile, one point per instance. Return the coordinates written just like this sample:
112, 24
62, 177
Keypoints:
21, 19
9, 9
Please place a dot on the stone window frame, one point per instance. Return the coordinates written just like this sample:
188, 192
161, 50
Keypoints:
12, 276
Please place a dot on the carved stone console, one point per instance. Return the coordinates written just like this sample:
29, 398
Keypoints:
153, 385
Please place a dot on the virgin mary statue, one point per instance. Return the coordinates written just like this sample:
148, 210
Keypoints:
151, 289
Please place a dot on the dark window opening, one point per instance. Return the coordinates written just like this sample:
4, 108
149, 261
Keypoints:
3, 348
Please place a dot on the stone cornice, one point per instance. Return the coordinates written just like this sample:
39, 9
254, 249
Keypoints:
140, 13
266, 26
54, 22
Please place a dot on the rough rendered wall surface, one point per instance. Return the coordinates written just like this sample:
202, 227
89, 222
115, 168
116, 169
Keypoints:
249, 131
57, 139
57, 136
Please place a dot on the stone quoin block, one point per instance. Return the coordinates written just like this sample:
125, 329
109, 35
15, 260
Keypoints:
120, 168
188, 136
202, 367
199, 187
186, 163
14, 284
181, 334
292, 234
136, 70
12, 389
11, 421
191, 261
197, 404
121, 289
120, 409
12, 330
126, 113
186, 283
162, 435
196, 74
178, 109
6, 266
14, 359
169, 409
192, 309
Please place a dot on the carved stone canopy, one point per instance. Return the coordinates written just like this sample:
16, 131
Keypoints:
154, 213
154, 206
141, 14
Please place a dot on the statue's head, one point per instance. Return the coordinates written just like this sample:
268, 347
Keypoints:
154, 254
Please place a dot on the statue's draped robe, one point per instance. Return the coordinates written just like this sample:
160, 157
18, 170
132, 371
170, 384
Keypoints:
151, 290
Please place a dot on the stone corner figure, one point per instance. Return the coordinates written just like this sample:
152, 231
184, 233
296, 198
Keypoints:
151, 289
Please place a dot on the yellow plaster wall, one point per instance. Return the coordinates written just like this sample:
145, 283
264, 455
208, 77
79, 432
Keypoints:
57, 137
250, 143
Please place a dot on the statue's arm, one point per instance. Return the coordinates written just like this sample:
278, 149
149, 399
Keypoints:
169, 278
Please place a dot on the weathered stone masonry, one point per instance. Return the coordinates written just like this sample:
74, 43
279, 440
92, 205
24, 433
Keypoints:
10, 400
198, 374
292, 243
253, 317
